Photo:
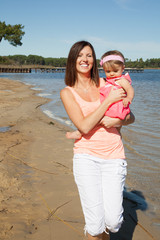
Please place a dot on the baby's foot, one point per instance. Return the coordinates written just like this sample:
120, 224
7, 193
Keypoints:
73, 135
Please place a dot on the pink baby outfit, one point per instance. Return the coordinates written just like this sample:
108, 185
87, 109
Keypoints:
116, 110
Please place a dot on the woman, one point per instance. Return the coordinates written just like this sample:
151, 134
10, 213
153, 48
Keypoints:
98, 165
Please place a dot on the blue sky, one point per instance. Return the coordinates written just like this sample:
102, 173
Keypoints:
52, 27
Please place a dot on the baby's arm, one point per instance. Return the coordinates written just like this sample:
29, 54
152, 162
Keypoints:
124, 83
73, 135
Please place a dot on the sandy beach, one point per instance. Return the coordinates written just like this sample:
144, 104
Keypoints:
39, 198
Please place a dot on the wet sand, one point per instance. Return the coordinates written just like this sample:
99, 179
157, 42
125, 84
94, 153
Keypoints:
39, 199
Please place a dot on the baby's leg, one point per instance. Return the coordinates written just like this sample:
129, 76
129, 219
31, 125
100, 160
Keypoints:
73, 135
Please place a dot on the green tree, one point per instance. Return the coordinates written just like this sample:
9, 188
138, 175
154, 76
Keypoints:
12, 33
34, 59
18, 59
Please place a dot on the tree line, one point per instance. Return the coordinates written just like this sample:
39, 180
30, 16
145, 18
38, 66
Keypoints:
32, 60
61, 62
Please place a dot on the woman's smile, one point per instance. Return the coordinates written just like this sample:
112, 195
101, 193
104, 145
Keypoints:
85, 60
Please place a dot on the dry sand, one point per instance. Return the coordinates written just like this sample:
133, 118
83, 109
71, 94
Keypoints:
39, 199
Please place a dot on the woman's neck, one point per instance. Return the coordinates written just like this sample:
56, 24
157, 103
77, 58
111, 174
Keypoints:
83, 81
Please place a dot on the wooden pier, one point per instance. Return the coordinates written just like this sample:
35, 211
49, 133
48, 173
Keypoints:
29, 69
47, 69
13, 69
140, 70
134, 70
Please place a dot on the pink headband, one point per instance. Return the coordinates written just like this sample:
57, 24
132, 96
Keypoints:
111, 57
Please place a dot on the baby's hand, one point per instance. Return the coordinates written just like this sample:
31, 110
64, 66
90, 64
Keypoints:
126, 101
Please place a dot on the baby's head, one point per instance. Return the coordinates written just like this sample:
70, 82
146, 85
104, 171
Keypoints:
113, 61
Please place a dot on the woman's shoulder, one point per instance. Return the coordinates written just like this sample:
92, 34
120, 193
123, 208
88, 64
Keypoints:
66, 92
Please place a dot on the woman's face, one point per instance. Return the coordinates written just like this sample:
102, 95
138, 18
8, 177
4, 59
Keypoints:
85, 61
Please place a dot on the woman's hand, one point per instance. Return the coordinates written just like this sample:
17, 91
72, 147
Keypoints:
109, 122
116, 95
116, 122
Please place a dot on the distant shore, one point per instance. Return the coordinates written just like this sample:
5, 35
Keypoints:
39, 199
38, 65
34, 66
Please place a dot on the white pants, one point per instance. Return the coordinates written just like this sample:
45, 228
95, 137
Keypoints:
100, 184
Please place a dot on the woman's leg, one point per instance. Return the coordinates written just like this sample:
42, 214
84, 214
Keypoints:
114, 172
102, 236
99, 237
88, 178
105, 236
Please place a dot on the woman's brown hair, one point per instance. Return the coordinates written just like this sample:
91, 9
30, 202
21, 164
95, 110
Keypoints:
71, 72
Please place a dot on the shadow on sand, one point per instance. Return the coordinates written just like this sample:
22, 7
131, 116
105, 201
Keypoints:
132, 201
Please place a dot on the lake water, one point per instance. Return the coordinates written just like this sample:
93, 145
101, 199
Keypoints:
141, 139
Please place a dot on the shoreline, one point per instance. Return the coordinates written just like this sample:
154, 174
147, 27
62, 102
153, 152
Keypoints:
39, 198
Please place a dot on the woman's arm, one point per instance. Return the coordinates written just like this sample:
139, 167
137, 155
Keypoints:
85, 124
130, 118
114, 122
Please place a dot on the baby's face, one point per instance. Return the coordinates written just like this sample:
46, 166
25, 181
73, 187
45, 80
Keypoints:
112, 73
